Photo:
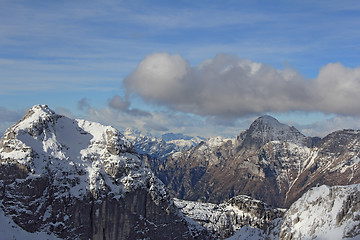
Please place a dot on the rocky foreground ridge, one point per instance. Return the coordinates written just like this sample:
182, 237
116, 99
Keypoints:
237, 214
270, 161
80, 180
324, 212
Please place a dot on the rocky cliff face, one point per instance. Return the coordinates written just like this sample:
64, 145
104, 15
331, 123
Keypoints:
334, 160
81, 180
270, 161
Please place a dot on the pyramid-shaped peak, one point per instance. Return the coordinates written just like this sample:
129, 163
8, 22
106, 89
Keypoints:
36, 114
268, 124
266, 128
268, 120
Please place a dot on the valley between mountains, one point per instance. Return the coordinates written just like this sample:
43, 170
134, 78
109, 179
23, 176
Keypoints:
63, 178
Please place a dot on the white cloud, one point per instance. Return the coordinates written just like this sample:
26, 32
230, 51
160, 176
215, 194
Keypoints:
228, 87
338, 89
159, 76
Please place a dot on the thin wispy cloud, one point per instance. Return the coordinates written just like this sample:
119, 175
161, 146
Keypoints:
118, 103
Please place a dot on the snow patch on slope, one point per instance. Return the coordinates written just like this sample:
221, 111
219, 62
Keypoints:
324, 213
158, 147
241, 215
9, 230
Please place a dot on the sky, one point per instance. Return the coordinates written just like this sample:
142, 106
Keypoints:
202, 68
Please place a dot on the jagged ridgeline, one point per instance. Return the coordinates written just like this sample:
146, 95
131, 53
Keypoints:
62, 178
77, 179
270, 161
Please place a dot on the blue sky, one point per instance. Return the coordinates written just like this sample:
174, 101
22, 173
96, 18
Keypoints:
199, 67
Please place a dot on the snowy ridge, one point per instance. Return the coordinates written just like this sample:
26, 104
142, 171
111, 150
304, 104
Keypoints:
88, 152
324, 213
158, 147
73, 177
225, 219
212, 143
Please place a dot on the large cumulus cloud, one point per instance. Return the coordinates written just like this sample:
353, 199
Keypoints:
337, 88
229, 87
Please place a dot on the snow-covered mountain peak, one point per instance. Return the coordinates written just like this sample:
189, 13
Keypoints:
44, 142
42, 108
36, 114
80, 180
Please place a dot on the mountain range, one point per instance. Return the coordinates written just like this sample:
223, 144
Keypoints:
63, 178
81, 180
270, 161
160, 147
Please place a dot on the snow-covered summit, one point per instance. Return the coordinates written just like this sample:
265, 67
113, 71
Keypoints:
46, 143
81, 180
36, 114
